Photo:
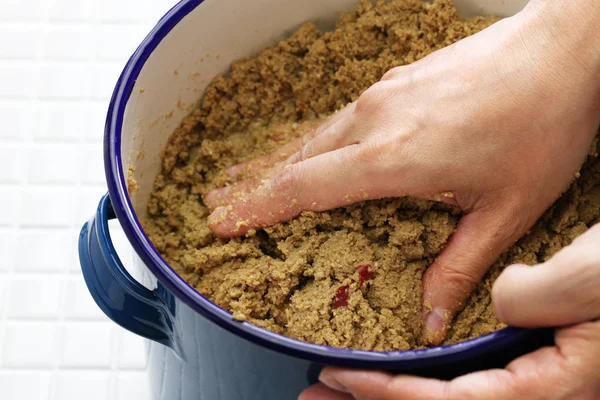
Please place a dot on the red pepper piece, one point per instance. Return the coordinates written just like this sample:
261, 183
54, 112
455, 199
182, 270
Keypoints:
341, 297
364, 273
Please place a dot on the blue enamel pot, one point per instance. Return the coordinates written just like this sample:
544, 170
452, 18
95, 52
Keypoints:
197, 350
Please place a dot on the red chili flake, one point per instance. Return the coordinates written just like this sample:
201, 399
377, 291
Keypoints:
274, 280
364, 273
302, 106
341, 297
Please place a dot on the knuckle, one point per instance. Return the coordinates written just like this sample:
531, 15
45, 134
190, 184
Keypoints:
501, 226
319, 130
448, 393
288, 185
400, 73
305, 139
374, 155
305, 152
381, 159
370, 151
393, 73
390, 387
506, 232
288, 178
459, 278
373, 99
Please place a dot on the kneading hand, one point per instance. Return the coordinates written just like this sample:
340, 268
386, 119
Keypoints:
563, 292
497, 124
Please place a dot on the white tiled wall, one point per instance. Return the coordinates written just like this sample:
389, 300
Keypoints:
59, 61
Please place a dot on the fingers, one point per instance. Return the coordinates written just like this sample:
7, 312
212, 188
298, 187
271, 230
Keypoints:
257, 165
313, 129
253, 169
307, 130
319, 138
336, 136
222, 196
493, 384
479, 240
322, 392
320, 183
380, 385
569, 370
564, 290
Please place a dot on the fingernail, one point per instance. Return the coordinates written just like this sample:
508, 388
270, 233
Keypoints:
216, 194
218, 216
329, 380
236, 169
435, 324
222, 192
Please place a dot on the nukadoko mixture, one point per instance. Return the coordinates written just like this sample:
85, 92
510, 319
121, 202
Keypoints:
350, 277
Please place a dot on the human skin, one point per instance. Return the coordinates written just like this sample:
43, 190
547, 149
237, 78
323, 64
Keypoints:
497, 123
563, 292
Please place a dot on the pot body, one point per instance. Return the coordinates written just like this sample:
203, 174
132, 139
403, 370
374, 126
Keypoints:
194, 358
216, 364
197, 350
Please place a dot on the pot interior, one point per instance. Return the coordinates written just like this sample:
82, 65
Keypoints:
202, 46
164, 81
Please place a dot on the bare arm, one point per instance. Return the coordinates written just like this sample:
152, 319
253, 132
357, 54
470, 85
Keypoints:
497, 124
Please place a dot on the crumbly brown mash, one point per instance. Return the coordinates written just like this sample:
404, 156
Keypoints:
292, 278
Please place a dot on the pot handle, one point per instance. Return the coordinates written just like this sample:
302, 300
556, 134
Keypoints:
117, 293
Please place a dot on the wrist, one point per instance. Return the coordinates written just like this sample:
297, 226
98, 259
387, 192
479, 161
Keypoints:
579, 12
573, 27
568, 34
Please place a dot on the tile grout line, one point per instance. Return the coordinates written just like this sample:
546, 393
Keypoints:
59, 333
41, 115
23, 143
95, 25
70, 23
76, 185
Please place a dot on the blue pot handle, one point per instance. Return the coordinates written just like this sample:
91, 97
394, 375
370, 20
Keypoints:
119, 296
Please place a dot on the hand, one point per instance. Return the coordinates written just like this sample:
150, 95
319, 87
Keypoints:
497, 124
561, 292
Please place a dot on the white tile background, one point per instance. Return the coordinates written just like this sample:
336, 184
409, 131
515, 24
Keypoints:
59, 61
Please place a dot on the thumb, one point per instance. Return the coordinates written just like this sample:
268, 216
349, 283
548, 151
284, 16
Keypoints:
480, 238
565, 290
